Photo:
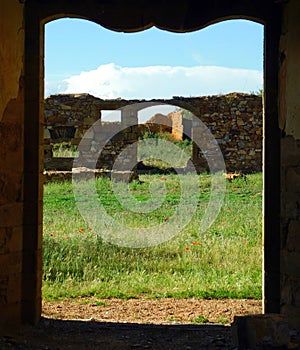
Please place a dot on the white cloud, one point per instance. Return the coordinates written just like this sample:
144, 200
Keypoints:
112, 81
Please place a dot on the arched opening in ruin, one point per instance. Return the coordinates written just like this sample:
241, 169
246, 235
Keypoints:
235, 107
34, 118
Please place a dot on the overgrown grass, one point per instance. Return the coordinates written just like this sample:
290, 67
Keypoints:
65, 150
183, 153
223, 262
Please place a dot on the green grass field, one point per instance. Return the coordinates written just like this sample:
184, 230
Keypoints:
222, 262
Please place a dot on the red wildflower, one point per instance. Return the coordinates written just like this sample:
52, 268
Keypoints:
81, 229
187, 249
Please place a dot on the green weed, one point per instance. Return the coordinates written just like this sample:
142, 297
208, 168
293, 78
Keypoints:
222, 262
200, 319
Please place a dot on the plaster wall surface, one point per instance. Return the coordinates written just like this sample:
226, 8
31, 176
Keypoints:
11, 160
290, 163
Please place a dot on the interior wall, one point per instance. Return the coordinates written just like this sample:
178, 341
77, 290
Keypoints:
11, 160
289, 119
20, 182
33, 164
197, 15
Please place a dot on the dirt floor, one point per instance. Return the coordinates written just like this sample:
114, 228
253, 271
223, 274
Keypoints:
113, 324
153, 311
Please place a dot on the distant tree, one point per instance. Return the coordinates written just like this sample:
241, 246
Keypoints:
186, 113
257, 92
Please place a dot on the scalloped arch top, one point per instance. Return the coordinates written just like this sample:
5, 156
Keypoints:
137, 15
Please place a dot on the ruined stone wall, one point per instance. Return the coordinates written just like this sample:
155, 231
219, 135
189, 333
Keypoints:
11, 162
70, 117
235, 121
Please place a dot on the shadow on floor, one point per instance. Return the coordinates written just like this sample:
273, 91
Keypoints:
54, 334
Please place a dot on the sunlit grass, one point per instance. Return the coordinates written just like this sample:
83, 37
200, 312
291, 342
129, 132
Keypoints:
224, 261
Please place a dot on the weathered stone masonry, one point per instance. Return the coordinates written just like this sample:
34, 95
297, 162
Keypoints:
235, 121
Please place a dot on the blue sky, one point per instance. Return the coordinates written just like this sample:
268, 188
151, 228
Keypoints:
81, 56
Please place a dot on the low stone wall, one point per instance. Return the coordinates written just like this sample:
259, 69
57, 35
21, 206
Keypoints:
235, 121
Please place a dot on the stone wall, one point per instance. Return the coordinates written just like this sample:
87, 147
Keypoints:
235, 121
11, 162
70, 117
289, 120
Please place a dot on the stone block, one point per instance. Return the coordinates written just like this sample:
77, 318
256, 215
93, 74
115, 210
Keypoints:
10, 318
79, 133
290, 151
88, 121
14, 288
261, 331
293, 313
10, 263
48, 147
60, 164
239, 122
11, 214
293, 236
290, 204
4, 281
65, 107
293, 179
286, 293
10, 186
11, 239
290, 263
290, 290
76, 141
47, 134
11, 159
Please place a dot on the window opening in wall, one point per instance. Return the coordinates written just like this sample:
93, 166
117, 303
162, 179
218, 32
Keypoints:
111, 116
221, 262
168, 123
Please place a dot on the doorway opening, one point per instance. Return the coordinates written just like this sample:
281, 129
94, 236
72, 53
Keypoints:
99, 271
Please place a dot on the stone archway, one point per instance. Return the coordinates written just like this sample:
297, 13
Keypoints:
182, 16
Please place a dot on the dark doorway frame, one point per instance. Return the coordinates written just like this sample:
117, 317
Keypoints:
129, 16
